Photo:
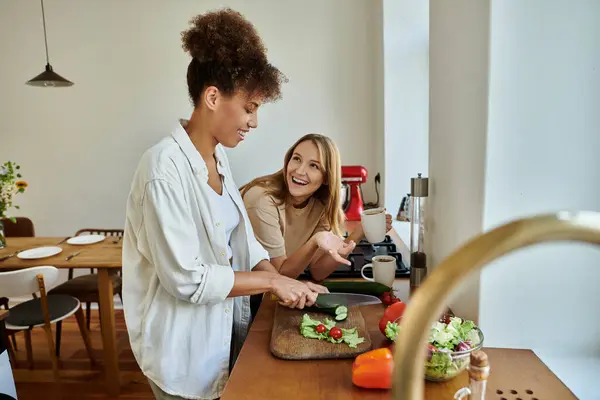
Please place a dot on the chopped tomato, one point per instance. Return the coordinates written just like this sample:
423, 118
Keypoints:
389, 298
386, 298
335, 333
391, 314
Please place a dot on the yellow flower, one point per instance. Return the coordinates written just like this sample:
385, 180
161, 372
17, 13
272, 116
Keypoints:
21, 184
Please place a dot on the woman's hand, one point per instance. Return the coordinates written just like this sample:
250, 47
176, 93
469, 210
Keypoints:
333, 245
293, 293
345, 251
388, 223
316, 288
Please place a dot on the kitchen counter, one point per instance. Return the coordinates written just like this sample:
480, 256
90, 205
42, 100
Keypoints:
257, 374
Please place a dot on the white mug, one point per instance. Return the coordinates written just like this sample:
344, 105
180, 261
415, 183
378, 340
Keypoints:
373, 223
384, 270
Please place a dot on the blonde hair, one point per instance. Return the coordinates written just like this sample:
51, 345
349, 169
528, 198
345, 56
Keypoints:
329, 193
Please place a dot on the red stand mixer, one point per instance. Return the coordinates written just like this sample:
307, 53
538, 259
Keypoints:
352, 202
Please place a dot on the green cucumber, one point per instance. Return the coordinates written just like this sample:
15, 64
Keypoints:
373, 288
338, 311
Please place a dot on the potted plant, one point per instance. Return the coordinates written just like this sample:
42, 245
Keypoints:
10, 184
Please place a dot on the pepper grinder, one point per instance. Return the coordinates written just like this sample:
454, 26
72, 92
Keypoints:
419, 191
479, 372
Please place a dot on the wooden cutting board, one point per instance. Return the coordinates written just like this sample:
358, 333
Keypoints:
287, 343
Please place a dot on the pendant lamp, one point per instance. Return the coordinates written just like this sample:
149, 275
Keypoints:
48, 78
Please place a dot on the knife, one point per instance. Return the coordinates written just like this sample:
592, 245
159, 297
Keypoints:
346, 299
64, 240
72, 255
10, 255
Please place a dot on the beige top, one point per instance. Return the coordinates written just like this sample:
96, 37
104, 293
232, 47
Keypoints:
281, 229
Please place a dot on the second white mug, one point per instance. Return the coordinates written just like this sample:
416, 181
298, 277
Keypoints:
384, 270
373, 224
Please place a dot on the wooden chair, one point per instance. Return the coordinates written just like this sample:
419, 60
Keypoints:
85, 287
23, 227
4, 304
40, 312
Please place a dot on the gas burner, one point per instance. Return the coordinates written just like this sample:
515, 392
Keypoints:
363, 254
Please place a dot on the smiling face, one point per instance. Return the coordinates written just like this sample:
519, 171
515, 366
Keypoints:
304, 172
232, 116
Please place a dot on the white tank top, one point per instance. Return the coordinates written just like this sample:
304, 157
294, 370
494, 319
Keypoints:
227, 215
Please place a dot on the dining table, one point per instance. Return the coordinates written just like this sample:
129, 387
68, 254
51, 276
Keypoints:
105, 257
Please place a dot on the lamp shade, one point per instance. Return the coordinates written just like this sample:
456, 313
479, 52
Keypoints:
49, 78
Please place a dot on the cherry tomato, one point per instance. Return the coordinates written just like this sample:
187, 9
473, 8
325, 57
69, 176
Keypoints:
430, 350
335, 333
386, 298
321, 328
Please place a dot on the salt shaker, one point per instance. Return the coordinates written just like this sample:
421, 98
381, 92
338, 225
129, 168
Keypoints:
479, 372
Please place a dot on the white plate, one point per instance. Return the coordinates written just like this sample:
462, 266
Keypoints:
86, 239
39, 252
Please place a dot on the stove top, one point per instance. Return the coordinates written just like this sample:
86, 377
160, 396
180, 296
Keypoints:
363, 254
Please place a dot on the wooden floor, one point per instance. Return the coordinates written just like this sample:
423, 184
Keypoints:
79, 379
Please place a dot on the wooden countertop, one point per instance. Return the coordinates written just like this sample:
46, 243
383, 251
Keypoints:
259, 375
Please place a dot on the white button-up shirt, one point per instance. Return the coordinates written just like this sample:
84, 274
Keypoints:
176, 273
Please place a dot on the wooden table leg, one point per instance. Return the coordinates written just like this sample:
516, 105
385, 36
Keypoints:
109, 336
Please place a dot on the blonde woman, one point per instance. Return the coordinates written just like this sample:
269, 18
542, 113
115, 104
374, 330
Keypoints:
296, 212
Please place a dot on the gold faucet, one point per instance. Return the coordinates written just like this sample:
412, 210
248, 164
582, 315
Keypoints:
427, 304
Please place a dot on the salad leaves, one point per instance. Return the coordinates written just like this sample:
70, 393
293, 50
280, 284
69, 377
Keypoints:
392, 330
441, 366
450, 336
308, 330
453, 336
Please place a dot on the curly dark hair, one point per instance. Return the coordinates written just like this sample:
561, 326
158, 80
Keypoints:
227, 52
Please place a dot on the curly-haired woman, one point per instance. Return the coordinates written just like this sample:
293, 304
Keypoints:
190, 258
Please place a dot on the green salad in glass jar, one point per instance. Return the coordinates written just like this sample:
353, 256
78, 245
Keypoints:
449, 346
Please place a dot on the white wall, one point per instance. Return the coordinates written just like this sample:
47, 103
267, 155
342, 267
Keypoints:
406, 96
459, 32
528, 146
79, 146
542, 156
377, 40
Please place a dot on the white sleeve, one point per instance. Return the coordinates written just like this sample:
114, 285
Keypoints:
173, 247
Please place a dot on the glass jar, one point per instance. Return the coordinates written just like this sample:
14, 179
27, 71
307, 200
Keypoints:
2, 236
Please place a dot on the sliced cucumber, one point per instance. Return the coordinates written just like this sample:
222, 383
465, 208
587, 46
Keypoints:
341, 317
339, 312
